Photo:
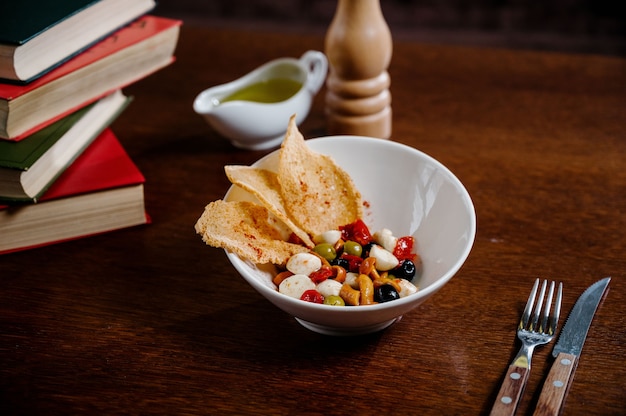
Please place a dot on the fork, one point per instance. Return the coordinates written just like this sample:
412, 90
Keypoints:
533, 330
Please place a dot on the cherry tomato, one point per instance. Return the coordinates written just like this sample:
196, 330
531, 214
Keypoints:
357, 231
321, 274
404, 248
312, 296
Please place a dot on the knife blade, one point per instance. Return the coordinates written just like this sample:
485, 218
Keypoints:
568, 348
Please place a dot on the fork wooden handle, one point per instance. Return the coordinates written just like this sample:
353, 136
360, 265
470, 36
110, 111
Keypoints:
510, 391
556, 385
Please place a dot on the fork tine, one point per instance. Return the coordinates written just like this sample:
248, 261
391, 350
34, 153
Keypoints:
537, 314
546, 311
557, 310
529, 306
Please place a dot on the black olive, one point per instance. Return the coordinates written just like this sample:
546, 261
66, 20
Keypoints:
405, 270
341, 262
385, 293
365, 253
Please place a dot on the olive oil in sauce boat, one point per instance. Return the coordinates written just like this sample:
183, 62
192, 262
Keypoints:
253, 111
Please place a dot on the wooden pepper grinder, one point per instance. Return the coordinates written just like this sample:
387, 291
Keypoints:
358, 46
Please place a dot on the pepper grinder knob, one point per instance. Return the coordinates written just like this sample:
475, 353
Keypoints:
359, 47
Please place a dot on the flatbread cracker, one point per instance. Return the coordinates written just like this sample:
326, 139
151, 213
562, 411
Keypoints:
264, 185
318, 195
246, 229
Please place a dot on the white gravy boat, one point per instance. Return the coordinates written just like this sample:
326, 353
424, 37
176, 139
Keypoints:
255, 124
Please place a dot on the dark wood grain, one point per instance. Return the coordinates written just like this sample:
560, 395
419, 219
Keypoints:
149, 320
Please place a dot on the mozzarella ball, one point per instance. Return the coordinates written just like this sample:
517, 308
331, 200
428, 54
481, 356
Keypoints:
384, 259
352, 280
303, 263
329, 287
386, 239
296, 285
330, 237
407, 288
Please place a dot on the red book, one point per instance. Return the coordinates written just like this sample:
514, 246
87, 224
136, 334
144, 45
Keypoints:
101, 191
128, 55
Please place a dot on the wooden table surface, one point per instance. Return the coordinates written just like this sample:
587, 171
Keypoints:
149, 320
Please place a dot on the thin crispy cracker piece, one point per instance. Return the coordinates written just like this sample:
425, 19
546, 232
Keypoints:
318, 195
264, 185
246, 229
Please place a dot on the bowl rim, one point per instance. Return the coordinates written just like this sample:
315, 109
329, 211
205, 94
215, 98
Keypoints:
422, 293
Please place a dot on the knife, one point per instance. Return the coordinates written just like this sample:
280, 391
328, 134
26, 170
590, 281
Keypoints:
567, 349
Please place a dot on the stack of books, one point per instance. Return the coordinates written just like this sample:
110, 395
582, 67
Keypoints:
63, 65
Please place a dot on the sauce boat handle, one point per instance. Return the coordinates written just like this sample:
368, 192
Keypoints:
316, 65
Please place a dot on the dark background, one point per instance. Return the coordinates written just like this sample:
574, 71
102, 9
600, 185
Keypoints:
579, 26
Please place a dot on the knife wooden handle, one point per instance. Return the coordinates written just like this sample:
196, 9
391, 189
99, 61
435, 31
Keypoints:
510, 391
556, 385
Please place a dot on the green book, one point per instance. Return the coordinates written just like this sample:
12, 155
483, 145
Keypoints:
37, 35
29, 166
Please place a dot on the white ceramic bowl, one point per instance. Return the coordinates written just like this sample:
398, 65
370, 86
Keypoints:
409, 193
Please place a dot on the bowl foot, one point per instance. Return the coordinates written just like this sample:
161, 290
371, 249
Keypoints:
267, 144
334, 331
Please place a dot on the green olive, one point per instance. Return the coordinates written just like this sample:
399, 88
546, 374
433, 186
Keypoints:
334, 300
326, 250
353, 248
